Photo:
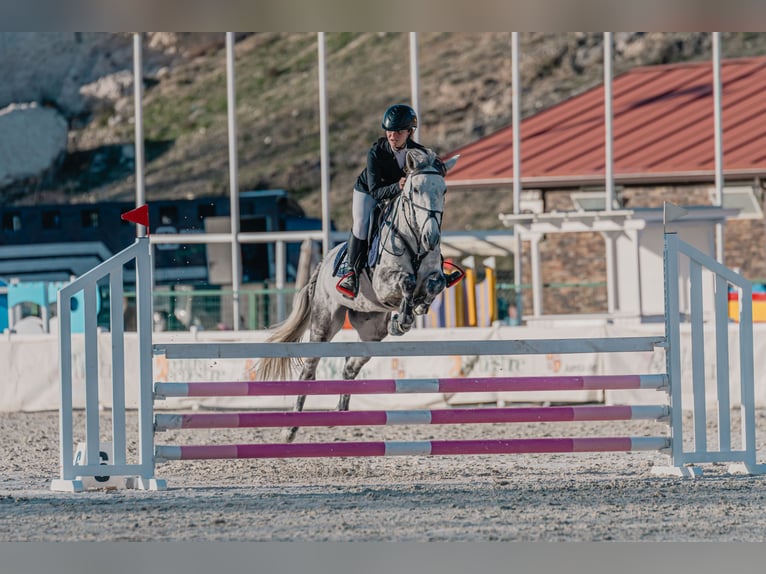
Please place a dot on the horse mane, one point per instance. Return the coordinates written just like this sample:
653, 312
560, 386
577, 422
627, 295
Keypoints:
422, 161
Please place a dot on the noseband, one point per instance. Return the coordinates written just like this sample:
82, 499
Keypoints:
417, 251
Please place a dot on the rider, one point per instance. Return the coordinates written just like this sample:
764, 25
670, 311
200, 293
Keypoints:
383, 178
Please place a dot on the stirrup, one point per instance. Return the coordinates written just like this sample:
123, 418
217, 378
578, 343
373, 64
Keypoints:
454, 276
345, 291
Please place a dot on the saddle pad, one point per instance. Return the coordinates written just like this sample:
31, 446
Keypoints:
341, 266
372, 254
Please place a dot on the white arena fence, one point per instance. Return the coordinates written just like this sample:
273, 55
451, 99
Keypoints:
685, 447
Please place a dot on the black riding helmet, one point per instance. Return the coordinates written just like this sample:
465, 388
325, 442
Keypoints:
399, 117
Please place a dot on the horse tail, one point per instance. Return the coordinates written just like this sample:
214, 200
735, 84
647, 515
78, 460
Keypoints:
289, 331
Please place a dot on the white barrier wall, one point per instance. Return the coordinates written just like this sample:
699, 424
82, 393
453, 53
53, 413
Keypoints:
30, 377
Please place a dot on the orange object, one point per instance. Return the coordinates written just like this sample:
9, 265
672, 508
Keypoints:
759, 307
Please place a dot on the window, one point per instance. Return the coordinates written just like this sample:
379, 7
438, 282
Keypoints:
89, 218
51, 219
12, 221
205, 210
168, 215
746, 198
595, 200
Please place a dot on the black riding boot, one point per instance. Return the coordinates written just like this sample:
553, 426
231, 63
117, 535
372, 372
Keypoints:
357, 251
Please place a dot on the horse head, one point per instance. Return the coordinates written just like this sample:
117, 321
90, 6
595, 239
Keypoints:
425, 191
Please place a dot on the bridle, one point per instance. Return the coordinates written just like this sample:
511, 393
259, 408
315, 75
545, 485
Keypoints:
405, 202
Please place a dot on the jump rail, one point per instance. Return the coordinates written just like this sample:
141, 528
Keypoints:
684, 451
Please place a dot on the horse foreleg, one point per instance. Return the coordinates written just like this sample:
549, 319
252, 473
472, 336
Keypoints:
434, 284
402, 320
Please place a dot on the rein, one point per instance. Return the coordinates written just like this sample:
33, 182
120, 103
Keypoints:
416, 252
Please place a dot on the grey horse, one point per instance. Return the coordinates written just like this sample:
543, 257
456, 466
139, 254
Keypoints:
404, 282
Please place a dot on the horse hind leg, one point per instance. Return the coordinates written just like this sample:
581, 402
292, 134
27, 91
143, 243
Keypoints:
324, 326
288, 434
350, 371
370, 327
308, 373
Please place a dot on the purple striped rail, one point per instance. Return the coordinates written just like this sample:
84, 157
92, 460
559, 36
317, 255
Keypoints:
395, 386
401, 417
418, 448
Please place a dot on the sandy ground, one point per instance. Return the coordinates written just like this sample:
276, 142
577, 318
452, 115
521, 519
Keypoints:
572, 497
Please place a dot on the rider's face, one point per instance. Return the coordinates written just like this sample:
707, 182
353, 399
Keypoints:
398, 138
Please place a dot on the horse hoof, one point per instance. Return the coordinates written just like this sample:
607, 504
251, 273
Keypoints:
394, 329
288, 434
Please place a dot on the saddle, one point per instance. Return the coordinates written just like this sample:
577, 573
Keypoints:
341, 266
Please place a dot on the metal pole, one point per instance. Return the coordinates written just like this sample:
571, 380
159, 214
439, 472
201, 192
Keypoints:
611, 280
138, 90
280, 258
608, 120
415, 97
719, 251
516, 119
236, 258
415, 80
324, 147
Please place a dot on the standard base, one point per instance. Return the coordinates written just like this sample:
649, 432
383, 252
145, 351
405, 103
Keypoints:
747, 468
133, 482
678, 471
139, 483
61, 485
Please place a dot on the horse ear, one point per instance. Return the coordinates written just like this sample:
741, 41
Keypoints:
409, 164
450, 163
414, 160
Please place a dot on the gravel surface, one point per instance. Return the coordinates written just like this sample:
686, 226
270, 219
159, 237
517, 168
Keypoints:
559, 497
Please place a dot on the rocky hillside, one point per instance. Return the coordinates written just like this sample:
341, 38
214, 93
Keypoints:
465, 93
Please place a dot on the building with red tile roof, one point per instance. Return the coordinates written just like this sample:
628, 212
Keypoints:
663, 126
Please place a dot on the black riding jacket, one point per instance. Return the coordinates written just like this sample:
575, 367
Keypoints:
380, 178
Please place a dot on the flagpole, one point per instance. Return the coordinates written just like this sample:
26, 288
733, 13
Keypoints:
138, 88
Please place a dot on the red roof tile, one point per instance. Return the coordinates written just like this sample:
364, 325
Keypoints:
663, 127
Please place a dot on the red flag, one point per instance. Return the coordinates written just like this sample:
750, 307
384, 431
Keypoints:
139, 215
